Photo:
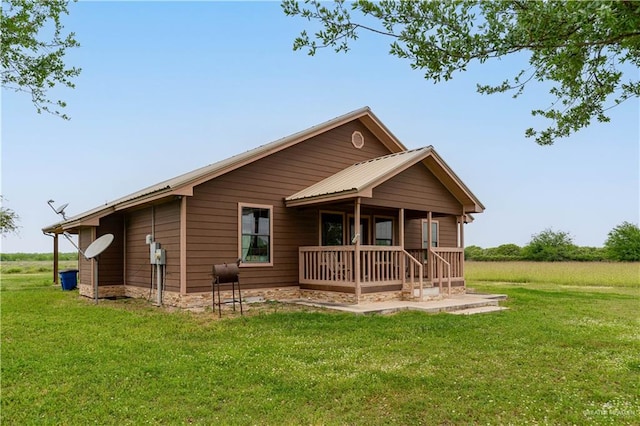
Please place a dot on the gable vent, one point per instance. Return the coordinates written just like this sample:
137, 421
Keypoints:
357, 139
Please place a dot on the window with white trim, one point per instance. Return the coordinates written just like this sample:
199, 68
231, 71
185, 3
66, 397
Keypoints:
255, 244
435, 234
384, 231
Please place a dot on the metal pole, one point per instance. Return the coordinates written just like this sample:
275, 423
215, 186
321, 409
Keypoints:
159, 283
95, 279
55, 259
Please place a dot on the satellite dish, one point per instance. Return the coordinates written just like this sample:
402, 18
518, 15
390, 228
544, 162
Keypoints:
60, 210
98, 246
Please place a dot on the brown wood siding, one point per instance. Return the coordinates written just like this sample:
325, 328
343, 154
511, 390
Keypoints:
111, 261
212, 212
416, 188
166, 231
448, 231
84, 265
413, 234
138, 269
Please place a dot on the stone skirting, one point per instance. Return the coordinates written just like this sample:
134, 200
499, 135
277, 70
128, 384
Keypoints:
454, 290
349, 298
327, 296
189, 300
103, 291
204, 299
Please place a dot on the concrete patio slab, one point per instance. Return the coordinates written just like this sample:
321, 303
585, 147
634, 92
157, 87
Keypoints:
479, 310
450, 304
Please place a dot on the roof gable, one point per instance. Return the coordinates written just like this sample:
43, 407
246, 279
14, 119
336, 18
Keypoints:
183, 185
360, 179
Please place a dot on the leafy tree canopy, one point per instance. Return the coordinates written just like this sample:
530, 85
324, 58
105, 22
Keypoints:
623, 243
549, 246
8, 220
581, 47
31, 64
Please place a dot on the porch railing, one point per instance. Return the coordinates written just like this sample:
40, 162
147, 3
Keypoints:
454, 256
379, 265
443, 270
334, 266
415, 275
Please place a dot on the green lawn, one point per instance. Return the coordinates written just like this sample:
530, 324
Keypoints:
562, 354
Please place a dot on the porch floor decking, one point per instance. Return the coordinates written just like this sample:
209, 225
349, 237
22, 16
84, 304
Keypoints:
462, 302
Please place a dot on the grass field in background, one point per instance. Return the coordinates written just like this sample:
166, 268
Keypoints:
605, 274
564, 353
34, 266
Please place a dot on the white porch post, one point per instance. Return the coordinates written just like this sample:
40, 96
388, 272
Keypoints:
401, 228
356, 225
461, 238
429, 245
462, 244
403, 260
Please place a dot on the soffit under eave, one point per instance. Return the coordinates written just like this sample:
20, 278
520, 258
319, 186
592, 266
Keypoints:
330, 198
93, 219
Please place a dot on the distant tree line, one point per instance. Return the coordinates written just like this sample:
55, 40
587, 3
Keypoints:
622, 245
21, 257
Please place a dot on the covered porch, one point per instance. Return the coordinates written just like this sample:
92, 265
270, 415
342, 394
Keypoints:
411, 210
416, 273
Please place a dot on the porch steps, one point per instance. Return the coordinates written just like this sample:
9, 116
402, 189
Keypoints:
453, 304
478, 310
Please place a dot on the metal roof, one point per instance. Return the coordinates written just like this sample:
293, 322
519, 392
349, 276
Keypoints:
360, 178
183, 184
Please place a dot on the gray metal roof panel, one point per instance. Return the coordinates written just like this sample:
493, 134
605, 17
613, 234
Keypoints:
363, 175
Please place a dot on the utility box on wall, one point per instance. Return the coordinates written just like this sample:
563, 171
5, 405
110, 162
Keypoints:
161, 257
157, 255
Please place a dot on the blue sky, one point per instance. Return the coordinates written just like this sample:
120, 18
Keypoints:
167, 87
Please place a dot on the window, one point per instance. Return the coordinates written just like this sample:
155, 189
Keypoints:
384, 231
363, 233
256, 230
332, 229
435, 235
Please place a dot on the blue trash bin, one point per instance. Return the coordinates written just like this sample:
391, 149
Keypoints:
69, 279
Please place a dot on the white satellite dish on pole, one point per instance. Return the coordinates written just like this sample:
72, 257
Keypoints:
92, 252
98, 246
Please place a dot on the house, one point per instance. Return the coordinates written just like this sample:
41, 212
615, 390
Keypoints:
288, 210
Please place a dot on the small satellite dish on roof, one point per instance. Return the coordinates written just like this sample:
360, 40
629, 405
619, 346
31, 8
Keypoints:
59, 210
98, 246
